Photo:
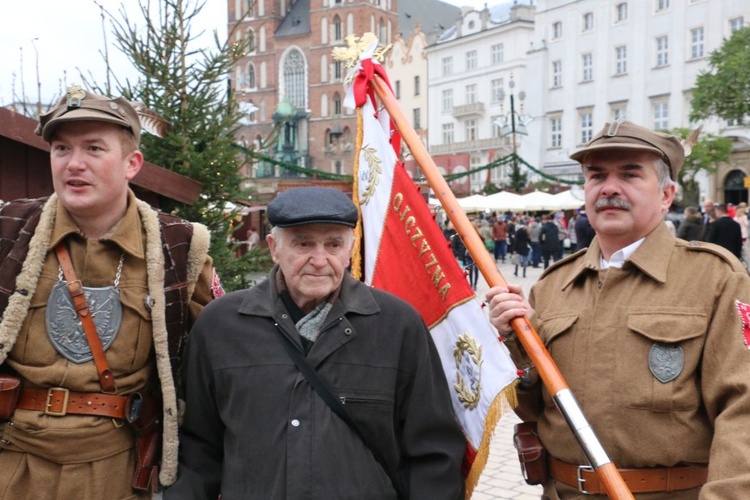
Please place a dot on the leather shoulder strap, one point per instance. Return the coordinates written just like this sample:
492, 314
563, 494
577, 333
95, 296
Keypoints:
81, 305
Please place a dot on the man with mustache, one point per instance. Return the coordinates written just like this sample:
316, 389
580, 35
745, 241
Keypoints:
651, 333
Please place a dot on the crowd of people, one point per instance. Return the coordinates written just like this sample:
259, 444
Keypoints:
526, 240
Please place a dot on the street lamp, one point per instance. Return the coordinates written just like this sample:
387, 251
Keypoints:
513, 123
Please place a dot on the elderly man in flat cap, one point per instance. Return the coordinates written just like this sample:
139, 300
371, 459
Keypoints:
651, 333
97, 291
313, 385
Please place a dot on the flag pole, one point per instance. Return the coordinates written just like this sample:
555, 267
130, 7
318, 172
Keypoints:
546, 367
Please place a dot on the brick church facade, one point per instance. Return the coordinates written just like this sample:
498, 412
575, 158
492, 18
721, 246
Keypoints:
289, 87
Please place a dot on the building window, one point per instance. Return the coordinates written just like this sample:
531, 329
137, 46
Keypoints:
557, 73
588, 21
477, 178
447, 100
497, 53
696, 43
619, 113
736, 24
398, 89
416, 85
621, 60
587, 64
252, 44
447, 66
417, 122
557, 30
471, 94
661, 115
496, 90
447, 133
337, 35
294, 79
621, 12
587, 126
337, 167
471, 130
336, 104
247, 78
338, 70
662, 5
471, 60
662, 50
555, 126
497, 130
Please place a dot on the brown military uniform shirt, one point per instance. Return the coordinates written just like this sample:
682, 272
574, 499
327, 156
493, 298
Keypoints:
600, 326
78, 438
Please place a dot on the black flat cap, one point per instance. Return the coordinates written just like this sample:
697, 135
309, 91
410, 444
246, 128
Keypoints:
311, 205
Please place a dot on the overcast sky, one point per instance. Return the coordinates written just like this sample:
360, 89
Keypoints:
64, 36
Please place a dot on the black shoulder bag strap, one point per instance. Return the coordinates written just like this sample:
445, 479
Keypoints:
325, 392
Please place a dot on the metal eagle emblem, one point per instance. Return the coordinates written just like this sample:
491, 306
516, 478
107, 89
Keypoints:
666, 362
64, 327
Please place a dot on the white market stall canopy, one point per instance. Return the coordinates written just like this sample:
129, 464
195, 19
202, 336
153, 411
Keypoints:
539, 200
531, 202
570, 199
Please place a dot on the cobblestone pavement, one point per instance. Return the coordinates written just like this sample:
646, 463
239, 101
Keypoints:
502, 477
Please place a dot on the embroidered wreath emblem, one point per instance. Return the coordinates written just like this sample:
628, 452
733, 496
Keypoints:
468, 357
373, 173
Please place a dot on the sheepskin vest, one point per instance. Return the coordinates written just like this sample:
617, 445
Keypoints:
25, 228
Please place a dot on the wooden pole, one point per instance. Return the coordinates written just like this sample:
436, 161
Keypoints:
546, 367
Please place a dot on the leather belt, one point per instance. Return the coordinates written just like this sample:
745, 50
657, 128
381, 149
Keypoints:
584, 478
58, 402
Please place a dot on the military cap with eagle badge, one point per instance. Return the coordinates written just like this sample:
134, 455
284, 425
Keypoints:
82, 105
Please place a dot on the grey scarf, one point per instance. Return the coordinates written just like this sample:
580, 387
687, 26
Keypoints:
309, 326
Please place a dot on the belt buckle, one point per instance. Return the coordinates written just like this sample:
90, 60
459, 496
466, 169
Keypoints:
581, 480
64, 410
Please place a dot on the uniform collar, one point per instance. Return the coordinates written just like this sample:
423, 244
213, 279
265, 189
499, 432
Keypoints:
127, 233
651, 257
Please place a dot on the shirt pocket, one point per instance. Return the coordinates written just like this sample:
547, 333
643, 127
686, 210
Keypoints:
556, 332
679, 335
364, 401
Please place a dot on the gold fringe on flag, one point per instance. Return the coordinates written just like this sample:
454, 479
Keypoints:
507, 398
356, 266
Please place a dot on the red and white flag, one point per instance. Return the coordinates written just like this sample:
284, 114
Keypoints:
406, 253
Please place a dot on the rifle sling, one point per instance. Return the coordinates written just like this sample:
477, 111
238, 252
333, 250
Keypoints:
75, 288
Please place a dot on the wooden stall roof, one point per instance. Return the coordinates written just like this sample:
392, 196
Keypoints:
158, 180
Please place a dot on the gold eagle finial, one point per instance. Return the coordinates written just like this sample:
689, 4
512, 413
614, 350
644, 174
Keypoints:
355, 47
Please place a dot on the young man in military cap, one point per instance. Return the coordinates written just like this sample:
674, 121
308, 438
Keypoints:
94, 395
257, 424
651, 333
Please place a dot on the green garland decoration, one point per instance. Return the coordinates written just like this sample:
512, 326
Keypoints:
311, 172
504, 161
320, 174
